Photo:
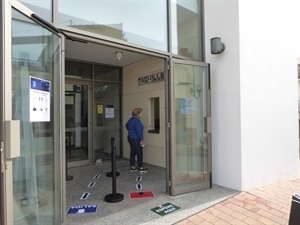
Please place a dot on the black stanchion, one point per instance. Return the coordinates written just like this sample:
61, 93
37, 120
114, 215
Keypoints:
68, 177
295, 210
114, 196
109, 174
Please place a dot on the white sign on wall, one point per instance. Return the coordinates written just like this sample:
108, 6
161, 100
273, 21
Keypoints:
39, 100
109, 111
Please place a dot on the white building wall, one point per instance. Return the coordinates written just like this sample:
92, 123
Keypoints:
221, 20
254, 91
298, 90
298, 87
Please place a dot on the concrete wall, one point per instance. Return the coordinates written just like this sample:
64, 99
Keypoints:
298, 82
270, 91
299, 90
135, 95
254, 91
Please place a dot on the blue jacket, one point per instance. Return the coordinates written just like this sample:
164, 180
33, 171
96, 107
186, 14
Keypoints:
135, 128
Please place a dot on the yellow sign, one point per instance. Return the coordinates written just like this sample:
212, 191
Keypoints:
100, 109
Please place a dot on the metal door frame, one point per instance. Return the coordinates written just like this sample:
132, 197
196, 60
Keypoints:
172, 136
6, 115
90, 119
6, 150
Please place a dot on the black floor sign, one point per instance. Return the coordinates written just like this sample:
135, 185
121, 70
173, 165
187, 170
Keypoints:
97, 176
85, 196
139, 186
91, 184
165, 209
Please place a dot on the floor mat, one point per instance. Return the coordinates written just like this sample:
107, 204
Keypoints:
141, 194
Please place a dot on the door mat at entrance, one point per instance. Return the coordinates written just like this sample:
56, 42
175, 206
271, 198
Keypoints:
141, 194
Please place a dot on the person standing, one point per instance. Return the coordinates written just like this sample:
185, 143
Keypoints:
135, 139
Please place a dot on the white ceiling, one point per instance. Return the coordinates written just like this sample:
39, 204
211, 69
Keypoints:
92, 52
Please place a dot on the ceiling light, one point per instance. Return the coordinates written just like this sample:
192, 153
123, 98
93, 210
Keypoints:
119, 55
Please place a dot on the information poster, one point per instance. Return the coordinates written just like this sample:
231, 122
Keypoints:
109, 111
188, 106
39, 100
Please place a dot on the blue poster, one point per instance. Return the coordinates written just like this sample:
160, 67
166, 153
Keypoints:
79, 209
188, 106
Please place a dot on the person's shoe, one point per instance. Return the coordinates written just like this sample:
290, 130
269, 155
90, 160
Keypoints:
133, 169
143, 170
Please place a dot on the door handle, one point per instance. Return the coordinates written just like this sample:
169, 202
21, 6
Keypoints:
12, 139
207, 125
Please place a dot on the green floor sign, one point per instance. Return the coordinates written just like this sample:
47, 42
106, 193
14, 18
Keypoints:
165, 209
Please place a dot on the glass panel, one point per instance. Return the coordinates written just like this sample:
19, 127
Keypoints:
35, 76
190, 86
41, 7
106, 73
142, 22
187, 31
78, 69
107, 117
76, 106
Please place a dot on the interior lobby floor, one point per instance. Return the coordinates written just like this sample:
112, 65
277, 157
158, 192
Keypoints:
87, 191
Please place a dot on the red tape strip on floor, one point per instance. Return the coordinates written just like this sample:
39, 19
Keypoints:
141, 194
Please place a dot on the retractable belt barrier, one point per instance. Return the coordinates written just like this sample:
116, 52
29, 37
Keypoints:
114, 196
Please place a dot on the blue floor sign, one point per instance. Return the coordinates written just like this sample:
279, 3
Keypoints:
78, 209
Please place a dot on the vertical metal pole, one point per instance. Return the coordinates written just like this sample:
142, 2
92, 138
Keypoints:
68, 177
113, 169
113, 197
113, 166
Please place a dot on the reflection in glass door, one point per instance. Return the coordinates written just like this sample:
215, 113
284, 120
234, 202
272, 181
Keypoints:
77, 123
35, 102
190, 139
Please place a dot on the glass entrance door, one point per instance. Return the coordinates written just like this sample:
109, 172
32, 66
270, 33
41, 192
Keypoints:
78, 125
190, 136
31, 117
107, 119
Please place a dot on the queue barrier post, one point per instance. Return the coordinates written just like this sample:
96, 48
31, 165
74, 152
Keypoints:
114, 196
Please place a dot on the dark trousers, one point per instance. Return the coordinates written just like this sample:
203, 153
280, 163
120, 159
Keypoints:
135, 150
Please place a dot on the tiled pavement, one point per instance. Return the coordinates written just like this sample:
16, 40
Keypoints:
270, 204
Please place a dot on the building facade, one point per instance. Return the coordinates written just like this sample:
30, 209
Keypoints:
217, 81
